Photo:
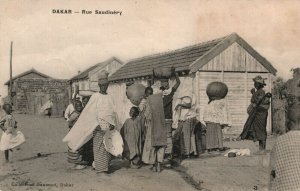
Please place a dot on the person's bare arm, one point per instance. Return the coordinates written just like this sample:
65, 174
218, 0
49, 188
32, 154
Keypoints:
175, 87
2, 128
185, 106
152, 78
2, 125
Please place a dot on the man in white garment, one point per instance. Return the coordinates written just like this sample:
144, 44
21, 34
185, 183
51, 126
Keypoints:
98, 117
107, 120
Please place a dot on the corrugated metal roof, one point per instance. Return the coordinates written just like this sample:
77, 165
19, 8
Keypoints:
180, 59
85, 73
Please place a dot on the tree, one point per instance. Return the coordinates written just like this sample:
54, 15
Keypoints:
293, 87
279, 88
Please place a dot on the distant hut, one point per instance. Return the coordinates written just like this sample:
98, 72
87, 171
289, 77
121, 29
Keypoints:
32, 89
229, 59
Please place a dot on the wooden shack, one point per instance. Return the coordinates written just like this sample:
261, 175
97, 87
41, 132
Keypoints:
32, 90
88, 79
229, 59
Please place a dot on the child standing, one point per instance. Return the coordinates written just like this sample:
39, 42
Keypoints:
10, 138
131, 133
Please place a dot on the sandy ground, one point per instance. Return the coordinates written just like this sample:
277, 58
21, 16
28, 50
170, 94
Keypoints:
51, 171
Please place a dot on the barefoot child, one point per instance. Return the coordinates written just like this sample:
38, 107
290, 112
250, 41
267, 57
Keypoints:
131, 133
11, 137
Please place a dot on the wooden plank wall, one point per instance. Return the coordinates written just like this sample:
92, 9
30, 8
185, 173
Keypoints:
236, 99
235, 67
93, 75
204, 78
234, 59
123, 105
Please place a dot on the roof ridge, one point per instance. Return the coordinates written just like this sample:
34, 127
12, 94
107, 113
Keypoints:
27, 72
88, 69
222, 45
107, 60
180, 49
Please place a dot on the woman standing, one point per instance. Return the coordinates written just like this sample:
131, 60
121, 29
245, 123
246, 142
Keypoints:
255, 126
155, 131
186, 126
216, 115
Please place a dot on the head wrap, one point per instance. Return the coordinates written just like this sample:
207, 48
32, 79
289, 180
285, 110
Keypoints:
103, 77
260, 80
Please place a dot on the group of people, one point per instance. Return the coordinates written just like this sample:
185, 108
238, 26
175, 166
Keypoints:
152, 135
285, 154
83, 157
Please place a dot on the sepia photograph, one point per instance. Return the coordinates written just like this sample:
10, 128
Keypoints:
162, 95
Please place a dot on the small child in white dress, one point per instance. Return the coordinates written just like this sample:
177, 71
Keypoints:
11, 137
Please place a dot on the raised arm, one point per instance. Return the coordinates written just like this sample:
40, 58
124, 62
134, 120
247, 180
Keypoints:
152, 78
175, 87
76, 93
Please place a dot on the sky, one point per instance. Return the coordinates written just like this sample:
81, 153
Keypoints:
60, 45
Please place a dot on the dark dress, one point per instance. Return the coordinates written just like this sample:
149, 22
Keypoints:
168, 113
255, 126
131, 133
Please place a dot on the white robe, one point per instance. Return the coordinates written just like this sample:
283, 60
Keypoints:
99, 107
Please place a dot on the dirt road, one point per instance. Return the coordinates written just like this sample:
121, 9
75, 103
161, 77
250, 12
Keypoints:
51, 171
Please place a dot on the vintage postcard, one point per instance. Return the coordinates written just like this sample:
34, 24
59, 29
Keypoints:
149, 95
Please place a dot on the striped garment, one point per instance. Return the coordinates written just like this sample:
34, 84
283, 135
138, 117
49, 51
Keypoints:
102, 158
76, 157
214, 136
82, 156
285, 161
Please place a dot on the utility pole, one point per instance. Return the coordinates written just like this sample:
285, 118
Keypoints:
10, 77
